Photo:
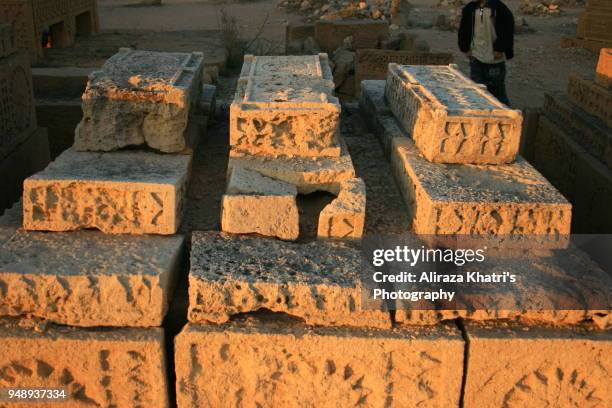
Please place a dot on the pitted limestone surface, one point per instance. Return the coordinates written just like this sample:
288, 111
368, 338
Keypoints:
120, 367
468, 199
318, 282
86, 278
451, 118
311, 66
140, 97
279, 364
249, 182
344, 217
119, 192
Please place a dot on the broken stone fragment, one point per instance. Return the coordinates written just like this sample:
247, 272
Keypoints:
133, 192
140, 98
277, 363
258, 204
451, 118
117, 367
489, 199
318, 282
344, 217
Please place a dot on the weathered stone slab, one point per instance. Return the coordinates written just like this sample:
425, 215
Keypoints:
373, 64
366, 33
7, 40
308, 174
284, 106
280, 364
318, 282
140, 98
17, 109
28, 157
565, 289
451, 118
586, 130
132, 192
583, 179
86, 278
245, 181
377, 114
592, 97
120, 367
344, 217
603, 75
494, 199
537, 366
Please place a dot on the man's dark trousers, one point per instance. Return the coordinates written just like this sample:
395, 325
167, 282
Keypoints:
491, 75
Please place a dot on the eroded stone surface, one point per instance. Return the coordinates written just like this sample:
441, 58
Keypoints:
592, 97
344, 217
451, 118
470, 199
268, 215
537, 367
278, 364
284, 106
318, 282
86, 278
140, 97
308, 174
119, 367
603, 75
250, 182
564, 289
119, 192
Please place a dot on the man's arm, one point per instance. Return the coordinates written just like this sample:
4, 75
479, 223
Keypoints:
504, 44
464, 35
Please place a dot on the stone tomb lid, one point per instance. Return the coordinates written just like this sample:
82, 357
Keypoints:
312, 66
446, 87
157, 76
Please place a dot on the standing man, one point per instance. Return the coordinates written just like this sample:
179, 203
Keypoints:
486, 36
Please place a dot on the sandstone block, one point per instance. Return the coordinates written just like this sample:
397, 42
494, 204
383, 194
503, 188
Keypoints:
245, 181
133, 192
344, 217
603, 76
308, 174
279, 364
592, 97
140, 98
366, 33
120, 367
268, 215
86, 278
586, 130
373, 64
318, 282
564, 289
451, 118
535, 367
284, 106
494, 200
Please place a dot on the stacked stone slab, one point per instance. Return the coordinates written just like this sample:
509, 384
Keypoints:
284, 130
103, 294
573, 146
454, 150
24, 147
593, 27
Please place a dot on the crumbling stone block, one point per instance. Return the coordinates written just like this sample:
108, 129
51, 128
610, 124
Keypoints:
451, 118
373, 64
592, 97
122, 367
284, 106
494, 199
344, 217
603, 76
537, 366
564, 289
330, 35
132, 192
140, 98
318, 282
279, 364
86, 278
308, 174
258, 204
